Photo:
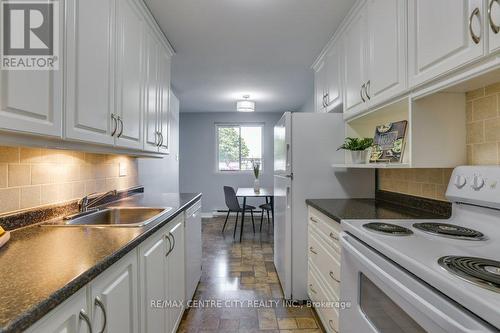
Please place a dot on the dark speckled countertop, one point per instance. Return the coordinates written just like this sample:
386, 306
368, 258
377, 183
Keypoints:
367, 209
42, 266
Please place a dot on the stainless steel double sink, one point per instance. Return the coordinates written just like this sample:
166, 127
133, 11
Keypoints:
114, 217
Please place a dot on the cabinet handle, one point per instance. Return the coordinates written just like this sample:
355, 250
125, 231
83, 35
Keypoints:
493, 25
121, 127
330, 323
361, 92
312, 289
84, 316
324, 100
99, 303
312, 250
169, 245
173, 240
333, 277
327, 99
115, 124
474, 37
332, 235
367, 88
161, 140
313, 219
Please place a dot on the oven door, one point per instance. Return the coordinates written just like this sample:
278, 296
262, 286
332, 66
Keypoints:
387, 299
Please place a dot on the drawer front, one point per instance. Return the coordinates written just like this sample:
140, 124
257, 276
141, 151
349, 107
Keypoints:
328, 228
328, 314
327, 265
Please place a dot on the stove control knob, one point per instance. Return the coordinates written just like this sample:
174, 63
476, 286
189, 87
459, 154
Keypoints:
477, 183
460, 181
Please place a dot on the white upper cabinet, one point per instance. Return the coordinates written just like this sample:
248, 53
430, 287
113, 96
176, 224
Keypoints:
129, 85
333, 80
374, 54
443, 35
90, 71
157, 94
320, 87
164, 100
386, 49
493, 24
355, 61
31, 100
151, 137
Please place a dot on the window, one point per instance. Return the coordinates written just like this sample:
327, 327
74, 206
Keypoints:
238, 146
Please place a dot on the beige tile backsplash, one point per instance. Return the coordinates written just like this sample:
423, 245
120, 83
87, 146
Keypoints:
483, 148
31, 177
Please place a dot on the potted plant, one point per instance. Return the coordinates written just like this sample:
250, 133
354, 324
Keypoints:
357, 147
256, 172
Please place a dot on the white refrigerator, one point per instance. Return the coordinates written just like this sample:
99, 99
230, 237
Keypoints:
305, 147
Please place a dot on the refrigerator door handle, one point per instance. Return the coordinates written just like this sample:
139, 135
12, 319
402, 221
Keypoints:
289, 176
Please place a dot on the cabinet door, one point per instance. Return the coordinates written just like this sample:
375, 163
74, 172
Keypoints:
66, 317
387, 49
355, 61
175, 275
151, 138
319, 87
439, 36
129, 78
114, 295
164, 100
31, 100
493, 24
152, 266
90, 71
334, 79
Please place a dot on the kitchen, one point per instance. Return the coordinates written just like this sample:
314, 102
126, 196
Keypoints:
185, 166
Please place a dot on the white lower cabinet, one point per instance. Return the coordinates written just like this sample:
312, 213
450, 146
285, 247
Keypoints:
69, 317
147, 286
113, 298
161, 274
324, 267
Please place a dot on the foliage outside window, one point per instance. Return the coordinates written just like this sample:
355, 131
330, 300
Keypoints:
238, 147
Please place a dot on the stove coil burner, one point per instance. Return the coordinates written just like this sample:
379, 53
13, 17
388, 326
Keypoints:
484, 273
450, 231
388, 229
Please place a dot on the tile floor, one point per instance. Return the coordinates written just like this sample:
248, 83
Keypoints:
234, 271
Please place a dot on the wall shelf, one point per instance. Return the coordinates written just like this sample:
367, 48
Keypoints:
435, 136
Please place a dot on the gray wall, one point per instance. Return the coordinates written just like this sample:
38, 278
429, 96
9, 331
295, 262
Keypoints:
162, 175
198, 161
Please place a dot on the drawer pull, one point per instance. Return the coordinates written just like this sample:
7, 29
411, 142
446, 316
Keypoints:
332, 235
333, 277
311, 288
313, 219
312, 250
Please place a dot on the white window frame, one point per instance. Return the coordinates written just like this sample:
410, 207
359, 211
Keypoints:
238, 124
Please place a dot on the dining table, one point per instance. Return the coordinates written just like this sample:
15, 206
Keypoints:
249, 192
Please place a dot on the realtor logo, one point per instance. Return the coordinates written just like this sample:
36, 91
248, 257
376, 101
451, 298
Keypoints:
30, 35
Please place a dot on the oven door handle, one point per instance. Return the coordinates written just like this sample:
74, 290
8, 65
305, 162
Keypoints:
431, 312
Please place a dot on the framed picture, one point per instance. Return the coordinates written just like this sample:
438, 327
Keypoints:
389, 143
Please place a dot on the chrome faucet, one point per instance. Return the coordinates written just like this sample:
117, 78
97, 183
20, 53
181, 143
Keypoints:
86, 203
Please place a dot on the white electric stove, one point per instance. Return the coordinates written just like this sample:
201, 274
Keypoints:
427, 276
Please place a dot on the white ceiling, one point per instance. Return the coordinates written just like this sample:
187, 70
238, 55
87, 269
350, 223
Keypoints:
229, 48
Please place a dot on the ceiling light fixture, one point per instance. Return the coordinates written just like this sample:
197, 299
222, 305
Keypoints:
245, 105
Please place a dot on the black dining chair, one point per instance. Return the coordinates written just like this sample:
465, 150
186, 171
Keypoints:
233, 205
268, 208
